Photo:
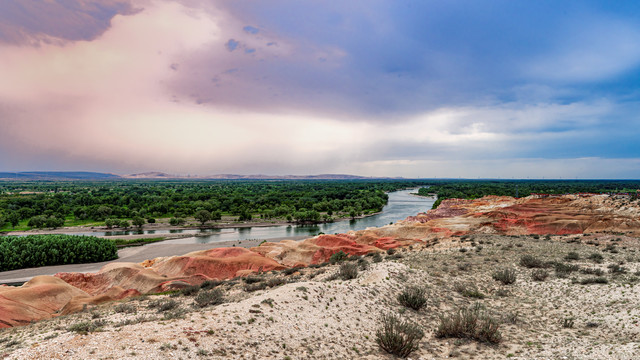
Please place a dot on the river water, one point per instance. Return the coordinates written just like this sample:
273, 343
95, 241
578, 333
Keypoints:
400, 205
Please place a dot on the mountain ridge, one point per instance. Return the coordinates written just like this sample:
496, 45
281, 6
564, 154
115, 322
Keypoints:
157, 175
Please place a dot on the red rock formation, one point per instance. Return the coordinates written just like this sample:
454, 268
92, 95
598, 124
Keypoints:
45, 296
37, 299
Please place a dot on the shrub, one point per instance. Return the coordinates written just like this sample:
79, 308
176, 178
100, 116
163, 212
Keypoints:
572, 256
292, 270
275, 282
376, 258
177, 313
539, 275
163, 304
86, 326
530, 261
206, 298
340, 256
616, 269
125, 308
505, 276
398, 337
348, 271
255, 287
363, 264
209, 284
596, 257
190, 290
592, 271
413, 297
594, 280
468, 290
252, 279
470, 323
563, 270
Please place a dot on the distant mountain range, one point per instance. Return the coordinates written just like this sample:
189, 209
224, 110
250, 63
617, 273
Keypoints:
154, 175
58, 175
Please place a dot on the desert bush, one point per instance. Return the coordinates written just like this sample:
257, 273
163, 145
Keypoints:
86, 326
376, 258
363, 264
594, 280
563, 270
209, 284
275, 282
391, 251
539, 275
293, 270
592, 271
505, 276
252, 279
177, 313
571, 256
340, 256
398, 337
348, 271
413, 297
470, 323
616, 269
190, 290
255, 287
212, 297
530, 261
162, 304
468, 290
125, 308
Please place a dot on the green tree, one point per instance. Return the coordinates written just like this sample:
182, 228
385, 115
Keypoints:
124, 224
14, 219
203, 216
111, 223
138, 221
37, 222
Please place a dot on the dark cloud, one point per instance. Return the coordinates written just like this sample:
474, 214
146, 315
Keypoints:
28, 22
386, 60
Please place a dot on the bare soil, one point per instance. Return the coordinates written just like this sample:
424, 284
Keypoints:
312, 315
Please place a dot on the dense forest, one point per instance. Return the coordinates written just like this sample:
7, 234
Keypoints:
473, 189
51, 204
19, 252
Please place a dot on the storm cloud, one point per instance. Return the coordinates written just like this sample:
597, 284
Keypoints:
397, 88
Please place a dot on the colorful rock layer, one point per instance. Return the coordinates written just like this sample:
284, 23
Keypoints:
48, 296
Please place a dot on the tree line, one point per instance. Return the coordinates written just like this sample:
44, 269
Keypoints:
133, 203
473, 189
18, 252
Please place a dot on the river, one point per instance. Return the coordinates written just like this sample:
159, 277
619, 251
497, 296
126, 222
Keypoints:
400, 205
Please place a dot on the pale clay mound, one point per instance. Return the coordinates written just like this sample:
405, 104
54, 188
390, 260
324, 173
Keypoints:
319, 319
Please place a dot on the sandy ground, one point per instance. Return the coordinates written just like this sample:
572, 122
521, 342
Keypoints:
134, 254
314, 316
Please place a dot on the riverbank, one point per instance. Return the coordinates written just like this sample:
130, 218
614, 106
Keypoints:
163, 225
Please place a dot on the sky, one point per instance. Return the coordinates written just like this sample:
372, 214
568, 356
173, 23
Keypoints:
490, 89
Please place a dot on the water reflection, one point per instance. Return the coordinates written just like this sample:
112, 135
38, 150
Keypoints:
401, 204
